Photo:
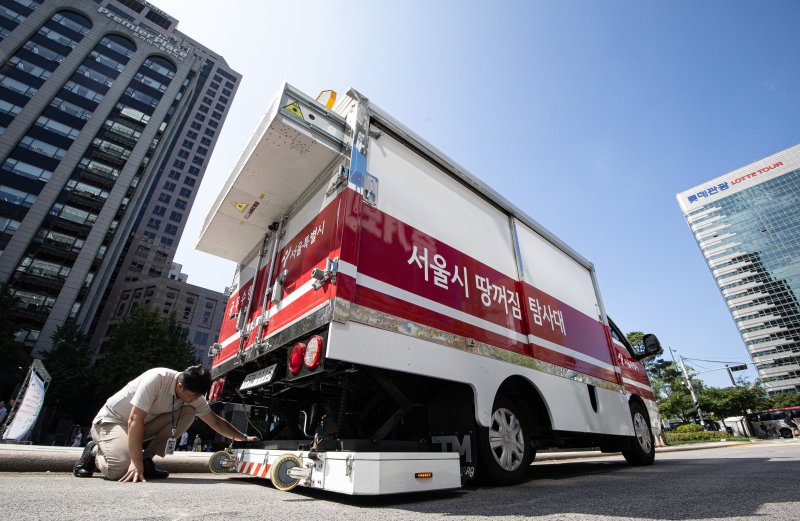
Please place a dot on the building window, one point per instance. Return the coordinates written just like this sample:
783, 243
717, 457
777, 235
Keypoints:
183, 153
176, 216
179, 164
154, 223
164, 198
185, 192
197, 160
210, 132
194, 170
174, 174
180, 204
195, 125
166, 241
170, 186
203, 109
171, 229
190, 181
159, 210
191, 134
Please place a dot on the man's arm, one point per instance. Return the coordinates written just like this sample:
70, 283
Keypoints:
135, 436
224, 427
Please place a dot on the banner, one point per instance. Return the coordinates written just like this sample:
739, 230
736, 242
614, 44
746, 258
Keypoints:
28, 410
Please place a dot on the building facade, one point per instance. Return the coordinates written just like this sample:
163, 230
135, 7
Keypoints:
198, 310
108, 116
747, 225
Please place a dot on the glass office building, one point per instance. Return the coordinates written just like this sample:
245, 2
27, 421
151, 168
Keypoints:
747, 224
108, 117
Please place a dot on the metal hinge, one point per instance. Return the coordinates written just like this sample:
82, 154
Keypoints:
338, 179
370, 190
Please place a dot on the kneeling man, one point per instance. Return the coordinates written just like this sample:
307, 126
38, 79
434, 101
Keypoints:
157, 407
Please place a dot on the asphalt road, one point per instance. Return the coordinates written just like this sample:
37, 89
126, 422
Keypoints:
752, 481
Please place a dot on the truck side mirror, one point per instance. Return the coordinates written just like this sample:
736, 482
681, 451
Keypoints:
652, 347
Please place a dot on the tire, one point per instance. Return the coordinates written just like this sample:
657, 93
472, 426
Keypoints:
504, 448
642, 447
786, 433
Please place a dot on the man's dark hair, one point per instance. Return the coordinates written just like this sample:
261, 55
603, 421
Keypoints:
196, 379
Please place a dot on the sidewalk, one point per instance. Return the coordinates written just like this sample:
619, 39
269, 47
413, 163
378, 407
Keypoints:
42, 458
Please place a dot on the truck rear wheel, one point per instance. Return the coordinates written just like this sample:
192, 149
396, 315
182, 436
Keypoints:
504, 449
642, 450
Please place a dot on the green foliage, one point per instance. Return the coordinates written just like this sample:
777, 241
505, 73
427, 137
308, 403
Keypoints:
142, 341
689, 427
68, 365
732, 401
635, 337
680, 438
14, 357
776, 401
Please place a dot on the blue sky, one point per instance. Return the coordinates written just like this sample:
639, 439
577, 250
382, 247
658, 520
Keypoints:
590, 116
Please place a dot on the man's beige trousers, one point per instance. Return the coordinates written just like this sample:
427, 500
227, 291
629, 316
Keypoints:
113, 458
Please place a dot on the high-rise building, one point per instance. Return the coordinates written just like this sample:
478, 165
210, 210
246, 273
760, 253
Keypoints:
747, 224
108, 117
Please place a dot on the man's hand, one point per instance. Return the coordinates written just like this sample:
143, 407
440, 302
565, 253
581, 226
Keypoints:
253, 438
133, 475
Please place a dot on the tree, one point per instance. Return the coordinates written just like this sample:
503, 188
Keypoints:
142, 341
68, 365
732, 401
14, 357
776, 401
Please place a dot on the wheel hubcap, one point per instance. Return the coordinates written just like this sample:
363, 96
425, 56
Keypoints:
506, 439
642, 432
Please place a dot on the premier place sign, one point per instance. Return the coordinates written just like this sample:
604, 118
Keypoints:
162, 43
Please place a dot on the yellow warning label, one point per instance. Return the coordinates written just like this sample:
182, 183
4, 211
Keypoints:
240, 206
294, 108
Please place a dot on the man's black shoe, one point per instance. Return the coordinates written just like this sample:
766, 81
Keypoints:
84, 467
151, 472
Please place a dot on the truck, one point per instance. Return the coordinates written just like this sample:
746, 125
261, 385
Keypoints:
395, 325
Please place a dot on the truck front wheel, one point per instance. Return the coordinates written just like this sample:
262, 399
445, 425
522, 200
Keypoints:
504, 450
642, 450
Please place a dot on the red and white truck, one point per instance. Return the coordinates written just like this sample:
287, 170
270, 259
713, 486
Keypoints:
400, 325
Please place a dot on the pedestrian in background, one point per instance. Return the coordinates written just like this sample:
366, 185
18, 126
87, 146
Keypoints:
3, 411
791, 423
197, 443
184, 440
76, 441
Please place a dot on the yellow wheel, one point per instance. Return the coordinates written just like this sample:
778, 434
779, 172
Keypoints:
221, 462
279, 473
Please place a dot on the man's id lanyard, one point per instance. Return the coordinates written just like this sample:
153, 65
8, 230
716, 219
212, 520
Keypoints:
170, 448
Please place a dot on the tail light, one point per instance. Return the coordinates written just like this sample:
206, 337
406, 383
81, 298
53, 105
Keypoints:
313, 352
216, 389
296, 356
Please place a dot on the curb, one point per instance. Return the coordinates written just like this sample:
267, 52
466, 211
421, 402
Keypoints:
41, 458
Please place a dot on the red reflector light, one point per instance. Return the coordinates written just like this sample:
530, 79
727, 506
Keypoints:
313, 352
296, 356
216, 389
